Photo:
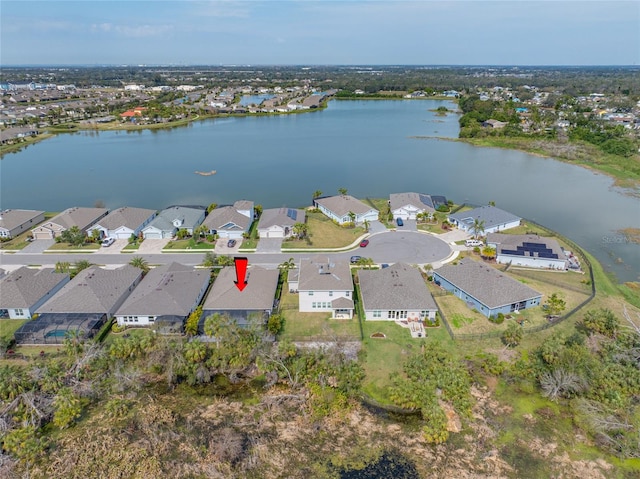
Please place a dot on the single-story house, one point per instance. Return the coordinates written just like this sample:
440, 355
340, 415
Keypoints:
80, 217
25, 290
167, 223
256, 300
278, 222
494, 219
84, 305
495, 124
170, 291
15, 222
407, 206
323, 285
528, 250
396, 293
339, 208
230, 221
123, 222
486, 289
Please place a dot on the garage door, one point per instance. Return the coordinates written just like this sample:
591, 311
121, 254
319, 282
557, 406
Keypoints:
153, 235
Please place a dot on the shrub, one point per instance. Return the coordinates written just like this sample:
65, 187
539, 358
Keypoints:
499, 319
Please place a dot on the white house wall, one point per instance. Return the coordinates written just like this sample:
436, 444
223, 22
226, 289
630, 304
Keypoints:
531, 262
307, 298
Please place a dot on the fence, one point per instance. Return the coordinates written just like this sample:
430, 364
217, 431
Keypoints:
541, 327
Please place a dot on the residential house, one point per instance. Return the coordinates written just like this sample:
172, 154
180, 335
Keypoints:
80, 217
167, 223
494, 219
340, 208
256, 300
528, 250
396, 293
83, 305
231, 221
407, 206
16, 222
486, 289
167, 293
123, 222
495, 124
323, 285
278, 222
25, 290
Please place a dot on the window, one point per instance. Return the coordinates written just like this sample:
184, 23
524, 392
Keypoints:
330, 293
310, 293
377, 314
347, 293
19, 312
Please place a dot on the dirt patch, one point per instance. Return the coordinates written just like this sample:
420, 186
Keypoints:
378, 335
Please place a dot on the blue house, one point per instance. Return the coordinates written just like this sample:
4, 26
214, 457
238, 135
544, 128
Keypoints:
485, 288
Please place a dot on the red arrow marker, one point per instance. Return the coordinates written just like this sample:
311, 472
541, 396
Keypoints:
241, 272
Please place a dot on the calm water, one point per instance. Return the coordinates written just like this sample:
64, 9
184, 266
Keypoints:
368, 147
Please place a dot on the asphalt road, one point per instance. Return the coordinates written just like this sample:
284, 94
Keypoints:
388, 247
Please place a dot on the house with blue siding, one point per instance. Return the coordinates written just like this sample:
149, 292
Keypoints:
486, 289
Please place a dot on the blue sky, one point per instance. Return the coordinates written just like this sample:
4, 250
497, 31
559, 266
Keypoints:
299, 32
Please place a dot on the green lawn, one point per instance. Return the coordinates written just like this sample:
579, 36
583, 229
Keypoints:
187, 244
10, 326
68, 246
131, 247
305, 326
324, 233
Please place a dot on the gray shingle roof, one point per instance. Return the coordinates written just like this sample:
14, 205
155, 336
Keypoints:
511, 242
398, 287
418, 200
322, 274
225, 215
170, 289
491, 216
259, 293
343, 204
280, 217
10, 219
126, 216
24, 287
78, 216
488, 285
164, 220
93, 290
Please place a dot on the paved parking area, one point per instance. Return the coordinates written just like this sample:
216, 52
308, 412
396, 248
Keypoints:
222, 248
409, 225
151, 246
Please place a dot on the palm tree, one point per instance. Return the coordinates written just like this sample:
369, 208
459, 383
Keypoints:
63, 267
287, 265
477, 227
342, 191
82, 264
139, 262
316, 194
365, 223
200, 231
195, 351
300, 230
352, 218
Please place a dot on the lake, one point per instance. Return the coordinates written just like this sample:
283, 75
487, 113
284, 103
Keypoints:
369, 147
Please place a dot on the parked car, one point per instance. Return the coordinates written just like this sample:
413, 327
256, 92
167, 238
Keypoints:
364, 243
473, 243
399, 222
108, 241
231, 243
355, 259
384, 265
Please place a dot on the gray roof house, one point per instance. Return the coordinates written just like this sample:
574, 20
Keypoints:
396, 293
485, 288
123, 222
167, 223
15, 222
167, 293
278, 222
25, 290
81, 217
230, 221
407, 205
255, 300
83, 305
494, 219
528, 250
323, 285
339, 207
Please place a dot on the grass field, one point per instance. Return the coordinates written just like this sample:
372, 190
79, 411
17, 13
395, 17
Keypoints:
324, 233
10, 326
304, 326
187, 244
67, 246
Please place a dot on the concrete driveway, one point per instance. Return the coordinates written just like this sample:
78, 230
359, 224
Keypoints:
151, 246
409, 225
37, 246
115, 247
376, 227
269, 245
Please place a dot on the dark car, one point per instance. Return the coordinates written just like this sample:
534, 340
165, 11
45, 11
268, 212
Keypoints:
355, 259
399, 222
364, 243
231, 243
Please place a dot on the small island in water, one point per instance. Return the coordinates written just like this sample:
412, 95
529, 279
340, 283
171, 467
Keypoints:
206, 173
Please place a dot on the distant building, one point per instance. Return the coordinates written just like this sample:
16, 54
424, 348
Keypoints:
532, 251
494, 219
339, 208
16, 222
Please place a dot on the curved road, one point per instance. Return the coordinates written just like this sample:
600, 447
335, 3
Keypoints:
387, 247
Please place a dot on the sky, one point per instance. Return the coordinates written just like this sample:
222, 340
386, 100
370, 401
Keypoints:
327, 32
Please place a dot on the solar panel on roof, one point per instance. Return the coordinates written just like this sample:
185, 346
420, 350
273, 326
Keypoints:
425, 200
291, 213
534, 245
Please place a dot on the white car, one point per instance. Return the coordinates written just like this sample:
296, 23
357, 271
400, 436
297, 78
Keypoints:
473, 243
108, 241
